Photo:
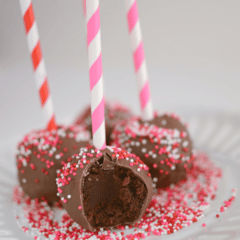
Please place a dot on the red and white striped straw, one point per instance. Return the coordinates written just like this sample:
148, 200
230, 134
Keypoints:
38, 62
139, 59
95, 73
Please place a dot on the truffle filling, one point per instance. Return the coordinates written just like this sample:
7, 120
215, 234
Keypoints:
112, 195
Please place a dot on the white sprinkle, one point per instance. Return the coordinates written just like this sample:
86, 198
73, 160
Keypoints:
185, 143
144, 141
164, 122
169, 148
177, 156
69, 196
24, 180
129, 149
154, 155
24, 162
174, 151
144, 150
137, 144
173, 167
71, 135
155, 179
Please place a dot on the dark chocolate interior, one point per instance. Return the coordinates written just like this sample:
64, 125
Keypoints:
112, 195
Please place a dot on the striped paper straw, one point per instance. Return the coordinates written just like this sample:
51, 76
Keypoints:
139, 59
95, 73
38, 62
84, 7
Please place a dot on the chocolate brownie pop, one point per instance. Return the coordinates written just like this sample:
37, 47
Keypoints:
161, 147
105, 188
43, 152
115, 113
163, 144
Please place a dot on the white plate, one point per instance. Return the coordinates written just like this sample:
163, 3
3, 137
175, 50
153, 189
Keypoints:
216, 133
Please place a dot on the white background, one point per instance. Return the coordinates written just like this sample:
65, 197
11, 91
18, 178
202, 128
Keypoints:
192, 50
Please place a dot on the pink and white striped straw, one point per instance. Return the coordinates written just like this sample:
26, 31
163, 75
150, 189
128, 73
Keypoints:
95, 73
84, 7
139, 59
38, 62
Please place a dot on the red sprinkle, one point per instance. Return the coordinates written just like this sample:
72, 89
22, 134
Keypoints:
166, 214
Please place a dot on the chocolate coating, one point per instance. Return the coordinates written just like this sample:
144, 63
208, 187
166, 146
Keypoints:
115, 113
41, 154
105, 188
163, 144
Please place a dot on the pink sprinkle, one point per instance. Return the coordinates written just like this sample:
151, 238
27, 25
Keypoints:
176, 212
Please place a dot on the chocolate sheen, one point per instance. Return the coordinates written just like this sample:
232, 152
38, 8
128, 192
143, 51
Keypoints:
163, 144
41, 154
105, 188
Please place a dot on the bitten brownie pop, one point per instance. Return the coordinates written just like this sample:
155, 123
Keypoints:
105, 188
115, 113
41, 153
163, 144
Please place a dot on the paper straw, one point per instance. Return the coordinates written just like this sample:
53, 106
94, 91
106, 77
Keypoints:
38, 62
95, 73
139, 59
84, 7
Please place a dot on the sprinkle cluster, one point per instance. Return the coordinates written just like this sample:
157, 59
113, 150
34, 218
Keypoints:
47, 146
227, 203
170, 210
80, 161
161, 148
